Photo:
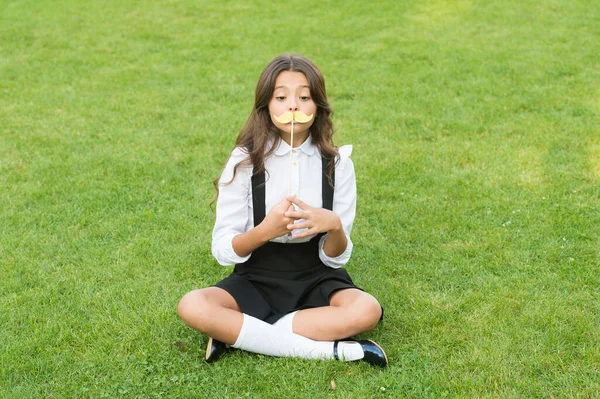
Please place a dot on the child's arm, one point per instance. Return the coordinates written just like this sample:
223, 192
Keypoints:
344, 205
232, 216
335, 243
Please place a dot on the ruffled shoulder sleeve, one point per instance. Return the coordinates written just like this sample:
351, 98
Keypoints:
344, 157
345, 151
237, 155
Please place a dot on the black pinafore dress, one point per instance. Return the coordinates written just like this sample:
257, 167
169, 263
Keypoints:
281, 278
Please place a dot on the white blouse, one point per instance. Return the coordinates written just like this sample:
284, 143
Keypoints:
234, 204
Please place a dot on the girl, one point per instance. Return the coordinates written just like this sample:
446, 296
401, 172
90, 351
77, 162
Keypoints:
284, 214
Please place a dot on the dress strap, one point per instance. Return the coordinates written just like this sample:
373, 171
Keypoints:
259, 196
258, 193
326, 188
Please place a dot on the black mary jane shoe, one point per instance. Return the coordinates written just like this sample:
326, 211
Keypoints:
373, 353
214, 350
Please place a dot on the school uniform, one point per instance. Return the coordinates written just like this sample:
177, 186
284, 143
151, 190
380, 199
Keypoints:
287, 273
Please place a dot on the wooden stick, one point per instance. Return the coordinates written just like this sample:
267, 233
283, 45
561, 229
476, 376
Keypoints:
291, 159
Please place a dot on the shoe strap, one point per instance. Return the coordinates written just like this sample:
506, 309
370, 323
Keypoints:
335, 350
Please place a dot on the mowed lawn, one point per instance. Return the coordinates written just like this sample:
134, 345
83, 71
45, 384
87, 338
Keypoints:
476, 134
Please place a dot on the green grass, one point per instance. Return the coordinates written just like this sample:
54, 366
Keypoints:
476, 136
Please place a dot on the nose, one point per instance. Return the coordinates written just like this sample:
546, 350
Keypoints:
293, 106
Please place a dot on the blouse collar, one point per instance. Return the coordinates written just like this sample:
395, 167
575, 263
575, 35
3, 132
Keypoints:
307, 147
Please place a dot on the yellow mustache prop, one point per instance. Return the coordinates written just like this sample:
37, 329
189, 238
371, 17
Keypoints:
289, 116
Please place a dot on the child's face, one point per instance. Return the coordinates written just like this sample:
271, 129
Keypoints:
292, 93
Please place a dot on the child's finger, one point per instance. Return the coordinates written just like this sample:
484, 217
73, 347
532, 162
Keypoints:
305, 233
286, 202
297, 226
296, 214
295, 200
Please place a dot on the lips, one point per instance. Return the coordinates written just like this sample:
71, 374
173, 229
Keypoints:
289, 116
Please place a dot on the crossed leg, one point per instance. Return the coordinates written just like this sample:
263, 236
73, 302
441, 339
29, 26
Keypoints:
350, 312
214, 312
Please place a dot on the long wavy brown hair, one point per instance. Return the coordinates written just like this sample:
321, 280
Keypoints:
259, 130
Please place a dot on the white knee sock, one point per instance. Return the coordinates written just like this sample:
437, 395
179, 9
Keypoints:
260, 337
285, 323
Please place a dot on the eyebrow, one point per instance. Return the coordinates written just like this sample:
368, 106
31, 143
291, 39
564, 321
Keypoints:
287, 87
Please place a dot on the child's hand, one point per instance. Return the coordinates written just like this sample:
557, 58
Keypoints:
316, 220
276, 222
